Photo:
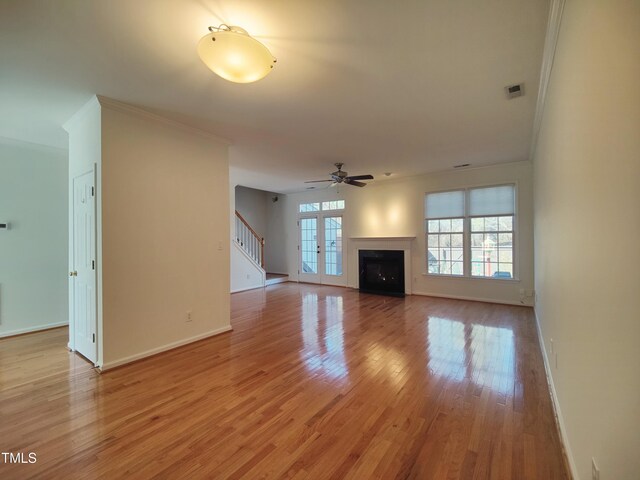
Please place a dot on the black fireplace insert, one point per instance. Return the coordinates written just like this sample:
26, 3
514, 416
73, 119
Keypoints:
382, 272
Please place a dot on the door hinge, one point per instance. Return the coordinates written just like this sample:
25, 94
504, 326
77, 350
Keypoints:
298, 272
93, 191
94, 338
298, 247
93, 264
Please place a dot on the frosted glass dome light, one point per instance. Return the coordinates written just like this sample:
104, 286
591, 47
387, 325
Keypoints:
235, 55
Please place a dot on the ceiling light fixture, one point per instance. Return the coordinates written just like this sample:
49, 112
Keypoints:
235, 55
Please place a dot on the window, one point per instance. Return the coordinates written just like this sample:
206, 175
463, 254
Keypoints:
445, 232
492, 247
333, 205
471, 232
309, 207
315, 207
445, 246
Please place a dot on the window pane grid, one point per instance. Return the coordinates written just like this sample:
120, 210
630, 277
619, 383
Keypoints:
309, 232
309, 207
492, 246
445, 246
333, 205
333, 245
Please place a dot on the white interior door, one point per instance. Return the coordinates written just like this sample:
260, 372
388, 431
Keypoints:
83, 267
321, 248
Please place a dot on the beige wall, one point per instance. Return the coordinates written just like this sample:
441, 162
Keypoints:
587, 226
33, 252
165, 235
396, 208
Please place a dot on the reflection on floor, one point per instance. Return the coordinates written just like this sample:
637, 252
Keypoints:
314, 382
34, 357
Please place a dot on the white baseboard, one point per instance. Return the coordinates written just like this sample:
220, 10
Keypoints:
554, 401
244, 289
20, 331
163, 348
472, 299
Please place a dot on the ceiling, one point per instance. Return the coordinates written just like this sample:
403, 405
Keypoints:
405, 87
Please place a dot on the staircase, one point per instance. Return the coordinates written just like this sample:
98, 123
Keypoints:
249, 240
248, 259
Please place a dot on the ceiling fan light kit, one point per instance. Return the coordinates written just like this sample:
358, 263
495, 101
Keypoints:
340, 176
234, 55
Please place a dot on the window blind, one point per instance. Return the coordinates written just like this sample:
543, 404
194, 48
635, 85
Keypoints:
444, 204
492, 201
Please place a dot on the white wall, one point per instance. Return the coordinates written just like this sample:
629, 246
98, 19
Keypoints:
395, 208
85, 154
33, 252
587, 226
165, 234
245, 273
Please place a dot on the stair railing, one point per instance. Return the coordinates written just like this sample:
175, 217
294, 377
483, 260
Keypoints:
249, 240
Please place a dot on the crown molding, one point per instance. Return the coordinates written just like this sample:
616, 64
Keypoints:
117, 105
548, 56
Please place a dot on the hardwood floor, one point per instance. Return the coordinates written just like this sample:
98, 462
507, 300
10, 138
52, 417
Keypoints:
33, 357
314, 382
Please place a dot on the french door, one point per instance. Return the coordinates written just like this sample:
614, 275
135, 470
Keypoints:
321, 246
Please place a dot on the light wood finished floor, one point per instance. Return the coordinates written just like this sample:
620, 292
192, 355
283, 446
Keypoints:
314, 382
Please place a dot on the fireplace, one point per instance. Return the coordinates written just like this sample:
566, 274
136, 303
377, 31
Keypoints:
381, 272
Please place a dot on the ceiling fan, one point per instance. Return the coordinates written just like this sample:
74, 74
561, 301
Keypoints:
343, 177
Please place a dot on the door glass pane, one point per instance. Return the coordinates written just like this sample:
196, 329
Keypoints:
309, 245
333, 245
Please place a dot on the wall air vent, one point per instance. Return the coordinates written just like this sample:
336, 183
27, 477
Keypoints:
514, 91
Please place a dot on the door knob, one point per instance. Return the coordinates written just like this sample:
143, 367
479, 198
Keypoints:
73, 274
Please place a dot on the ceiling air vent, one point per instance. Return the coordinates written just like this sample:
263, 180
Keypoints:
462, 165
514, 91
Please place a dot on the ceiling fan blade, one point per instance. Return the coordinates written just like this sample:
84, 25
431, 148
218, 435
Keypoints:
361, 177
317, 181
356, 183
